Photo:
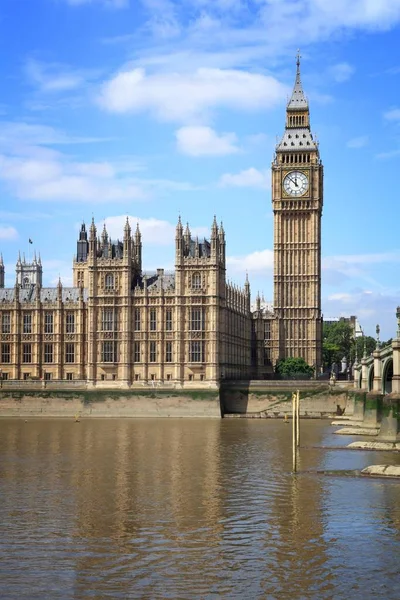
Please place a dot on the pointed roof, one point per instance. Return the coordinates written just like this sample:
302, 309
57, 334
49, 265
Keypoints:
127, 228
297, 137
298, 100
179, 228
214, 227
93, 230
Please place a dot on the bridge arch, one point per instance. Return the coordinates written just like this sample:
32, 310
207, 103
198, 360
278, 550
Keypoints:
387, 376
371, 378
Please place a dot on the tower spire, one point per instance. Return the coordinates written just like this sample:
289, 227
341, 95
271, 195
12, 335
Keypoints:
298, 100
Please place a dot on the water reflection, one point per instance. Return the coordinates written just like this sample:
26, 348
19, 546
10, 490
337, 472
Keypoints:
189, 508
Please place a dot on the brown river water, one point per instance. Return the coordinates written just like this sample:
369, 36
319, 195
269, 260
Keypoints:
189, 508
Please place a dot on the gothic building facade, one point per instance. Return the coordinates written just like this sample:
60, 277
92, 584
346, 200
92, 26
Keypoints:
189, 327
119, 323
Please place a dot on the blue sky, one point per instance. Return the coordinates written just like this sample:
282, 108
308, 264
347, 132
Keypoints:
154, 108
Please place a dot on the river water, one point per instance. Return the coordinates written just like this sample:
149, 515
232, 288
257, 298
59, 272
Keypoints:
191, 509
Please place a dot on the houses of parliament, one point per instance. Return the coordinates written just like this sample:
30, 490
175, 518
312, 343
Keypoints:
190, 328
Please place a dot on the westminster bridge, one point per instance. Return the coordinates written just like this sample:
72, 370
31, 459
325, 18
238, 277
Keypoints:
377, 387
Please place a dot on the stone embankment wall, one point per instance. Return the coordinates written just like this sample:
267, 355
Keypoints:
254, 398
274, 399
104, 403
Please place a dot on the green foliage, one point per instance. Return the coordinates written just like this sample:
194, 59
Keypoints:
387, 343
339, 342
330, 353
369, 343
292, 367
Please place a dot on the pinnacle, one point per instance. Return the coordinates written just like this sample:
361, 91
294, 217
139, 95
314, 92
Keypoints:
298, 99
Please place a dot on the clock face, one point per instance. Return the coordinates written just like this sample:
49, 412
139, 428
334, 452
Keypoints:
295, 183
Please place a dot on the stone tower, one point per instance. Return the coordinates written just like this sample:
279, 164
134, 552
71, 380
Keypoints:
2, 272
29, 273
297, 198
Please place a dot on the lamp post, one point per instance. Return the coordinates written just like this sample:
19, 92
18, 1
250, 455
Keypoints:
398, 322
378, 343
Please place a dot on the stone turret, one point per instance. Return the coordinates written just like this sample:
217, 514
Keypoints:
93, 240
179, 241
28, 273
2, 273
82, 246
138, 249
127, 240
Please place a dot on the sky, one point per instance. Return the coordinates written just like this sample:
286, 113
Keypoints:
160, 108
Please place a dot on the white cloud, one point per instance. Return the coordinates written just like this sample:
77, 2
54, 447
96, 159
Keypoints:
8, 233
66, 180
371, 307
21, 133
59, 178
392, 115
346, 260
163, 19
388, 155
34, 171
55, 269
204, 141
358, 142
106, 3
214, 34
341, 72
356, 267
252, 178
190, 96
261, 260
154, 231
53, 77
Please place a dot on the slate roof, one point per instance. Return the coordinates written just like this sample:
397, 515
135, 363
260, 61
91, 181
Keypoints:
300, 138
298, 100
69, 294
157, 281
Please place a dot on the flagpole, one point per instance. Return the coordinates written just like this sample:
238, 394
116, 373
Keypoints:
29, 250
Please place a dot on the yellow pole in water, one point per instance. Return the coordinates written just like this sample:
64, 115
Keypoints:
298, 417
294, 432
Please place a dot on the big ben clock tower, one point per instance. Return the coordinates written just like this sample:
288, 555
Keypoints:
297, 198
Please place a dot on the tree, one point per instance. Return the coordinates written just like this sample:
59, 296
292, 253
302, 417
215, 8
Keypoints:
294, 367
365, 342
330, 353
339, 342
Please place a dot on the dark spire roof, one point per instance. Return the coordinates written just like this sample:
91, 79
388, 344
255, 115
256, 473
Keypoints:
298, 100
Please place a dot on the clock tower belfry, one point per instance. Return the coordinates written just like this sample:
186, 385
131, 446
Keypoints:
297, 199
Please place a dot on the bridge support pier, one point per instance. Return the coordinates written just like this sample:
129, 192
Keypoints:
390, 422
359, 404
373, 409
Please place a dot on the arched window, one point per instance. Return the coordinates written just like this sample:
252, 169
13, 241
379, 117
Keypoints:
109, 281
196, 281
